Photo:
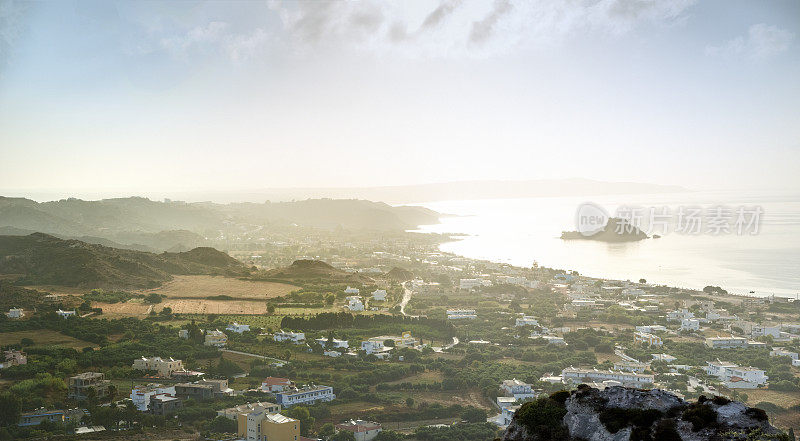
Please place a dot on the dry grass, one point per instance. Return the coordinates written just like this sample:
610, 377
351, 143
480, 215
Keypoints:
127, 309
44, 337
200, 306
426, 377
783, 399
207, 286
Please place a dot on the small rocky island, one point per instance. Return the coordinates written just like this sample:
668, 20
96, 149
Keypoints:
621, 414
615, 230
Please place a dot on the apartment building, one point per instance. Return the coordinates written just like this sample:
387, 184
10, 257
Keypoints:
647, 339
580, 375
260, 425
165, 368
216, 338
306, 395
80, 385
457, 314
294, 337
726, 342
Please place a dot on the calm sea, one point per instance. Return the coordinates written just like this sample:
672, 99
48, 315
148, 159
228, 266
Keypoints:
523, 231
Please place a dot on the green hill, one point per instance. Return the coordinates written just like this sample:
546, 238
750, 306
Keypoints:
41, 259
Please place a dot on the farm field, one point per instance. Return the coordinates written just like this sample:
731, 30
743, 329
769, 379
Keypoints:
207, 286
44, 337
133, 308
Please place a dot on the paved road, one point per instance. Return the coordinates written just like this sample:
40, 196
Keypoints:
255, 355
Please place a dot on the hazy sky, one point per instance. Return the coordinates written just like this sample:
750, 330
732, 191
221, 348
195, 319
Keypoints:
137, 96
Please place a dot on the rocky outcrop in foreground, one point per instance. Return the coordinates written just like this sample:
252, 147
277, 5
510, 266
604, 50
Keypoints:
621, 414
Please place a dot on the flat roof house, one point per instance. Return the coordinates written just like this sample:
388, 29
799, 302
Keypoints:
80, 385
306, 395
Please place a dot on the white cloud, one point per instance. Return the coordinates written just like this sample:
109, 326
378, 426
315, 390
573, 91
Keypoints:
455, 27
762, 41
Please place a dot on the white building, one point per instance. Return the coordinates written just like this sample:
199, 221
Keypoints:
663, 357
649, 329
140, 395
647, 339
350, 290
473, 283
215, 338
736, 377
518, 389
455, 314
336, 344
680, 314
780, 352
372, 346
726, 342
65, 314
332, 354
578, 375
690, 325
306, 395
361, 430
294, 337
631, 366
183, 333
583, 303
512, 280
354, 303
379, 295
526, 320
508, 414
15, 313
551, 339
761, 331
237, 328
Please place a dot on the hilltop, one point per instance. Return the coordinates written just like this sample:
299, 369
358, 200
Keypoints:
621, 414
309, 270
41, 259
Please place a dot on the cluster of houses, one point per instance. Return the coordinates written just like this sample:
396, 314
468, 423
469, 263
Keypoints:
13, 358
380, 346
355, 302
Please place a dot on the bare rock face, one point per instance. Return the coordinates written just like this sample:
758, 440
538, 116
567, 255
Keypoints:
622, 414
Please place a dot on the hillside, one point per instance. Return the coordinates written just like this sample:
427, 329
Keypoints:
41, 259
142, 224
310, 270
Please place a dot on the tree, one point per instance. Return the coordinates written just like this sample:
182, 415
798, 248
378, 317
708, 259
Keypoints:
343, 435
474, 415
388, 435
221, 424
330, 299
409, 402
302, 414
270, 308
10, 407
642, 280
326, 430
152, 298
